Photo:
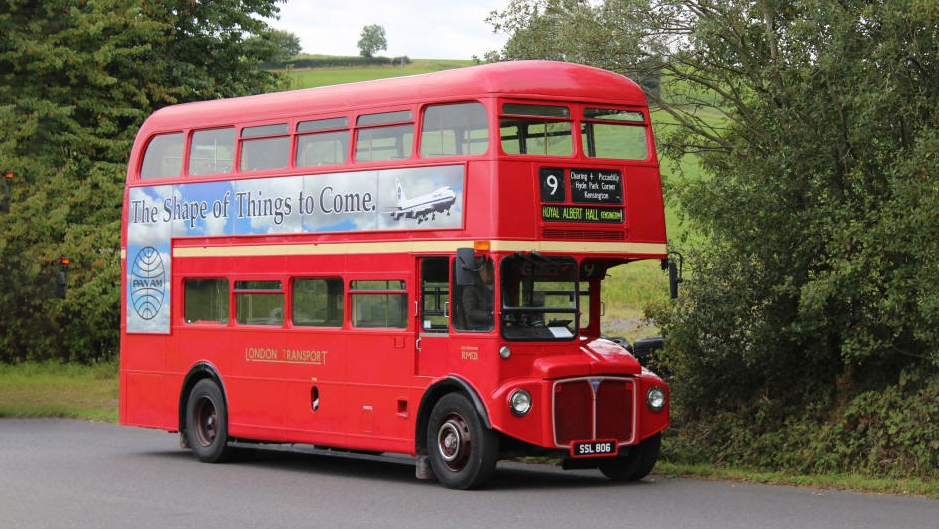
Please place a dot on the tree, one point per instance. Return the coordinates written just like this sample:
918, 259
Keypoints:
816, 124
372, 40
280, 45
76, 81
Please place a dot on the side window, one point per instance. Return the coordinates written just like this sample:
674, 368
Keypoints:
205, 300
259, 302
212, 151
379, 304
473, 304
435, 294
316, 302
452, 130
164, 156
321, 142
612, 133
267, 148
547, 132
384, 136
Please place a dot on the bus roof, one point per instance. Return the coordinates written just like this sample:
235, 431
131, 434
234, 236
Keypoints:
521, 79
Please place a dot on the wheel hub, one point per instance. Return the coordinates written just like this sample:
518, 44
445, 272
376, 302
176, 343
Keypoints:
454, 442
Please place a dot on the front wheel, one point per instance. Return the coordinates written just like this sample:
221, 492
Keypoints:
462, 451
207, 422
637, 463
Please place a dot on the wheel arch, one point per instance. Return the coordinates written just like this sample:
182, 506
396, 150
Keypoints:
200, 371
436, 391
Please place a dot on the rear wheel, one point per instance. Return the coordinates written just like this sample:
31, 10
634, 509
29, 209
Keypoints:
462, 451
207, 422
637, 463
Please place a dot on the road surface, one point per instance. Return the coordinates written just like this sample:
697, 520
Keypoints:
63, 473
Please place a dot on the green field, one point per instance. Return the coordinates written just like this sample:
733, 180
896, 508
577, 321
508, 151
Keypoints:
312, 77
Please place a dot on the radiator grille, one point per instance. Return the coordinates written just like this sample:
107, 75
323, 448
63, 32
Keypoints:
594, 408
603, 235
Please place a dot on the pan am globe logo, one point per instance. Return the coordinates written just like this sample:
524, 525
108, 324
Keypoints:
148, 281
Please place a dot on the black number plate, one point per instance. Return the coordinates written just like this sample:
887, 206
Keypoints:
593, 448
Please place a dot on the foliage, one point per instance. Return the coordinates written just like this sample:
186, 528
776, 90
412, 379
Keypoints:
372, 40
891, 431
279, 45
814, 280
76, 81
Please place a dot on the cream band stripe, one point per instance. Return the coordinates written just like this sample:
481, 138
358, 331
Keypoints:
417, 247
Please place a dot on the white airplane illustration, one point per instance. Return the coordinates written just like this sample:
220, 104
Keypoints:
438, 201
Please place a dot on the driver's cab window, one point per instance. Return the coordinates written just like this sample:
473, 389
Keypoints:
473, 305
539, 297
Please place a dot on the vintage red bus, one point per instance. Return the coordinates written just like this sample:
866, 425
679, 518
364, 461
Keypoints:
409, 265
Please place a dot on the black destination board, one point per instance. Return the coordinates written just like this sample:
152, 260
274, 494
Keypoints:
596, 186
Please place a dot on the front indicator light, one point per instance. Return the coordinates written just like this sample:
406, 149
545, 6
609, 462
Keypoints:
655, 398
520, 402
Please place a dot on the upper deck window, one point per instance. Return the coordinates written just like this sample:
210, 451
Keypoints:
328, 143
547, 132
455, 129
265, 152
611, 133
212, 151
164, 156
386, 136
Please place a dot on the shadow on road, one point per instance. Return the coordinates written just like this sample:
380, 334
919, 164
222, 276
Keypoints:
399, 469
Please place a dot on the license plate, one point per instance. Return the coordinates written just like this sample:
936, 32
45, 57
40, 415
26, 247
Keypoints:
593, 448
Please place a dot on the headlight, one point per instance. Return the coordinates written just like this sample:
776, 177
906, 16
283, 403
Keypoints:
520, 402
504, 352
655, 398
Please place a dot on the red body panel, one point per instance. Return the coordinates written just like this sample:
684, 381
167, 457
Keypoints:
361, 388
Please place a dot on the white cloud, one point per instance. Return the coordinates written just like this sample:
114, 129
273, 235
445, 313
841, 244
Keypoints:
422, 29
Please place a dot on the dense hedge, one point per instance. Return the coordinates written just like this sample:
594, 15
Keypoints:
891, 431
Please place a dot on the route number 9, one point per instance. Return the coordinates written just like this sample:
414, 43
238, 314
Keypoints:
552, 184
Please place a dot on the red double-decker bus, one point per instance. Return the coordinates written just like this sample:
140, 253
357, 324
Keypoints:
409, 265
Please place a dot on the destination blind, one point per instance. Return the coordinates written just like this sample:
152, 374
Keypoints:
586, 186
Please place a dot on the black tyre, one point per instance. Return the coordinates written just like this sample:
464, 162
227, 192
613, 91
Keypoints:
207, 423
637, 463
462, 451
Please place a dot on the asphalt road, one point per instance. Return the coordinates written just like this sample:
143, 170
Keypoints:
59, 473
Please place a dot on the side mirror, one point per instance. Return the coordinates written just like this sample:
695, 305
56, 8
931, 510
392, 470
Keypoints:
465, 266
674, 274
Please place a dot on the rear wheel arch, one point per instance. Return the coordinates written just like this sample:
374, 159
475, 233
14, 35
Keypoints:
200, 371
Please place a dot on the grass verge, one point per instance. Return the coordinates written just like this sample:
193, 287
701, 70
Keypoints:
843, 482
59, 390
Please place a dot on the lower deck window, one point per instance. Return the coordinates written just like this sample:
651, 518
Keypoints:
259, 302
205, 300
317, 302
379, 304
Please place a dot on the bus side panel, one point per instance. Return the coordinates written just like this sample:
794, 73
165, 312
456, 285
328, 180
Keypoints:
142, 389
315, 395
645, 212
380, 372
